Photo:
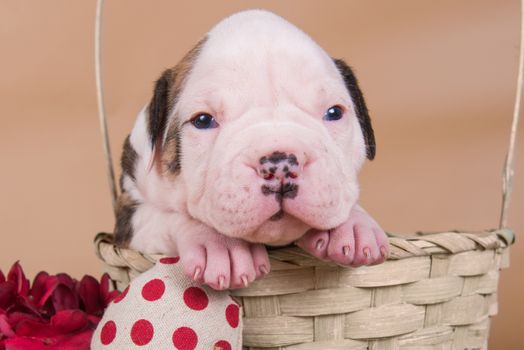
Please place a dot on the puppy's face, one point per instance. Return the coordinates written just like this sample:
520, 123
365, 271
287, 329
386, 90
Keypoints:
261, 131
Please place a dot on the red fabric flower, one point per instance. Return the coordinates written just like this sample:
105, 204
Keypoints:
56, 312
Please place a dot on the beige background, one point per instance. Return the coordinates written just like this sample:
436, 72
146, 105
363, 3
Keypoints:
439, 78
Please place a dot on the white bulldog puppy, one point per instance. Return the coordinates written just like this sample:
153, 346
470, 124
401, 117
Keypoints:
254, 138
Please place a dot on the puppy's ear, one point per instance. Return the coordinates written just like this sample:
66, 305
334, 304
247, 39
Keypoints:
159, 109
360, 106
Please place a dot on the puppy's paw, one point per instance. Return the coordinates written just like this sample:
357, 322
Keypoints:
359, 241
222, 262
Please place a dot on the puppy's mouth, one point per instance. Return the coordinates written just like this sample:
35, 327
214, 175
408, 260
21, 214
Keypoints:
286, 190
278, 215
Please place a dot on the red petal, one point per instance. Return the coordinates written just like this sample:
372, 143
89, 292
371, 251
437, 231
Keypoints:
23, 343
50, 285
105, 285
16, 274
24, 305
39, 286
16, 317
64, 298
112, 296
34, 328
78, 341
64, 278
68, 321
5, 327
88, 291
7, 294
94, 320
2, 277
64, 322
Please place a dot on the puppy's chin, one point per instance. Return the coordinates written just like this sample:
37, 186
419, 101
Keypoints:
280, 230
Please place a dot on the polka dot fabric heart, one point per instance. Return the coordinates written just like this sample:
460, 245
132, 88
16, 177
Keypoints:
163, 309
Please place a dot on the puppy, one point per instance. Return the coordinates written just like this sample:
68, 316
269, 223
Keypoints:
255, 137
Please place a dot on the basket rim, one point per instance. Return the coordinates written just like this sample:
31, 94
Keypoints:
401, 247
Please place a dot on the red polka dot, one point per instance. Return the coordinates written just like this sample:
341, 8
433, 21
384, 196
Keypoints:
232, 311
222, 345
153, 290
170, 260
184, 338
121, 296
195, 298
108, 333
142, 332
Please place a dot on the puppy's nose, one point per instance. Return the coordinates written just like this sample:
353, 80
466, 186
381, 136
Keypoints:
279, 166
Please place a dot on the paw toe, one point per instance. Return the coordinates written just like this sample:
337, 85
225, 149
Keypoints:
194, 263
341, 246
218, 269
242, 266
260, 260
315, 243
367, 251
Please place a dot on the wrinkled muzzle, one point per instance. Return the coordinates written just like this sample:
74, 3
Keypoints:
271, 181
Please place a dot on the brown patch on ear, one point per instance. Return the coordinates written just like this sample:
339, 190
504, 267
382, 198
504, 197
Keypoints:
170, 158
360, 106
167, 89
128, 162
159, 108
125, 210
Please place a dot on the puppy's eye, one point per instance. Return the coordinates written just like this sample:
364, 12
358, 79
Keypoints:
333, 113
204, 121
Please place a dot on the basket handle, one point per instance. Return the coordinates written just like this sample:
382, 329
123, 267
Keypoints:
509, 166
508, 172
101, 107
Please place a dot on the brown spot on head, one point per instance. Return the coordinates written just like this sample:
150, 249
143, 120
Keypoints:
166, 92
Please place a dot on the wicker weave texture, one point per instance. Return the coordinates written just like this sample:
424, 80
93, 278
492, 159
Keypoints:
436, 291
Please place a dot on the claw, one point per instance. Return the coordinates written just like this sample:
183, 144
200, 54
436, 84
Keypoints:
244, 280
383, 251
345, 250
221, 282
263, 269
367, 252
320, 244
196, 275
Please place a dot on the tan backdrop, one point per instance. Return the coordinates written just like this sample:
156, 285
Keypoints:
439, 78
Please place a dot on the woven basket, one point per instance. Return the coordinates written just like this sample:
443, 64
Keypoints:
436, 291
